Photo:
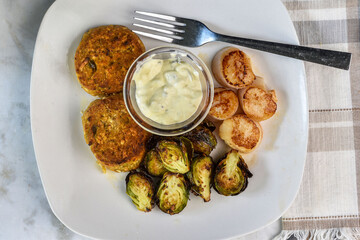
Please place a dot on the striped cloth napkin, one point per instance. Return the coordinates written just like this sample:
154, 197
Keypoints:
328, 203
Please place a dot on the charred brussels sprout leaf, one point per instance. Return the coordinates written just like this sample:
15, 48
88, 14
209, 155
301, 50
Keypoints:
200, 176
153, 164
208, 124
187, 147
153, 140
140, 189
231, 174
173, 157
172, 194
203, 140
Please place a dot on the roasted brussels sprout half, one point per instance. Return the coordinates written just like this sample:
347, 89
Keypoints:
173, 157
200, 176
203, 140
231, 174
153, 164
173, 193
140, 189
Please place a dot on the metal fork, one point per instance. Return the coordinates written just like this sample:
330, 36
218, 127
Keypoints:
192, 33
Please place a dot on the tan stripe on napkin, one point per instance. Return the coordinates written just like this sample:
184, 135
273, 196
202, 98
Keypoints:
331, 139
320, 4
331, 115
321, 223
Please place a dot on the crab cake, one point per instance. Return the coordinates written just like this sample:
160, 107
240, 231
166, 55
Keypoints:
103, 57
117, 142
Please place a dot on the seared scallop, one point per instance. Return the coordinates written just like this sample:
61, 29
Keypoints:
241, 133
258, 103
225, 104
232, 68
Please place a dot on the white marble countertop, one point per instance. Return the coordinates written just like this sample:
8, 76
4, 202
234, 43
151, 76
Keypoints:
24, 210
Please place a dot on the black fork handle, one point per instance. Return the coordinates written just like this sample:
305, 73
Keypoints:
321, 56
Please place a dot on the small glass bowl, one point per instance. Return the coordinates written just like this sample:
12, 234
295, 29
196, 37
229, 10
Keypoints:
149, 125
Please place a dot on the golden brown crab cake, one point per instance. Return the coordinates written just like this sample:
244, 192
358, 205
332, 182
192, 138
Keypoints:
257, 103
241, 133
117, 142
103, 57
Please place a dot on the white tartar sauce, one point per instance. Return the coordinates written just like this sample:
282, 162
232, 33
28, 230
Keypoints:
167, 91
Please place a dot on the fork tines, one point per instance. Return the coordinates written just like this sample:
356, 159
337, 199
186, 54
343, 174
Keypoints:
161, 27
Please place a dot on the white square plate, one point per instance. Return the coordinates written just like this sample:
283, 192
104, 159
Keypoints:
96, 205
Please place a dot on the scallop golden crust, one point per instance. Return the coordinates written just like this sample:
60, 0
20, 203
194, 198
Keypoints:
232, 68
258, 104
117, 142
103, 57
225, 104
241, 133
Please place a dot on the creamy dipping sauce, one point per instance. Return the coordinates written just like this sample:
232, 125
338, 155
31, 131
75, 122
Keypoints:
167, 91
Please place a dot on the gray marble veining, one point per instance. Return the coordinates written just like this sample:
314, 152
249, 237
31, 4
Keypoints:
24, 210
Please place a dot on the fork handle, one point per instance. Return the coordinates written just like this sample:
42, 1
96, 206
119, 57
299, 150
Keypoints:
325, 57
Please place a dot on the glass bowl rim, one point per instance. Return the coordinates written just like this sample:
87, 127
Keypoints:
203, 111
